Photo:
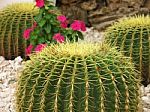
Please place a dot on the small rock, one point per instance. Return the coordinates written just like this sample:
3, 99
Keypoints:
18, 59
142, 90
145, 99
147, 90
2, 110
146, 110
148, 85
4, 63
1, 59
148, 95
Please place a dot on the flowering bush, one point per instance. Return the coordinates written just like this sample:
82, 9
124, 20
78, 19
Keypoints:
51, 27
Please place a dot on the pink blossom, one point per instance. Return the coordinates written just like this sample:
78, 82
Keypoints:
76, 25
63, 24
83, 27
40, 47
26, 34
34, 25
59, 38
28, 50
39, 3
61, 18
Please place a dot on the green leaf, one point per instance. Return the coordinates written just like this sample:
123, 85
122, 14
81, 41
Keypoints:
47, 28
41, 40
41, 10
48, 42
56, 29
75, 37
42, 22
54, 21
33, 42
48, 16
80, 35
49, 37
36, 31
68, 31
38, 18
33, 37
46, 7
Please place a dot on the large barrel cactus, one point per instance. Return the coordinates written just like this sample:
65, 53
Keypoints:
132, 35
14, 19
78, 78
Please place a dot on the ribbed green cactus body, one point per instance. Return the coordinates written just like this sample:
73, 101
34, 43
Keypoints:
78, 78
132, 35
14, 19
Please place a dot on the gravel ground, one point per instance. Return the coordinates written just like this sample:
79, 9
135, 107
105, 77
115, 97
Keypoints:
10, 68
8, 78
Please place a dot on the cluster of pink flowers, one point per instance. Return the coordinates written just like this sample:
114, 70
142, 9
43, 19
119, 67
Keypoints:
28, 50
59, 38
40, 47
39, 3
37, 49
78, 25
63, 21
26, 34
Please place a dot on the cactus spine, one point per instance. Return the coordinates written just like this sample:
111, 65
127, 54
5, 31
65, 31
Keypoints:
14, 20
132, 35
78, 78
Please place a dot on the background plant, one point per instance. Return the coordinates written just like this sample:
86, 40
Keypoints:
52, 27
14, 19
132, 35
78, 77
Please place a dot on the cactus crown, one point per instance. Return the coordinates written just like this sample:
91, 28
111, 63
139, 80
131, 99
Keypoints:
75, 49
129, 22
21, 7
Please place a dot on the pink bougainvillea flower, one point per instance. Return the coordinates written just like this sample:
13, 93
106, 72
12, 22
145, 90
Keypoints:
40, 47
64, 24
83, 26
26, 34
76, 25
61, 18
28, 50
34, 25
59, 38
39, 3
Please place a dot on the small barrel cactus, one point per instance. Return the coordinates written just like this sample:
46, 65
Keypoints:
78, 78
14, 19
132, 35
